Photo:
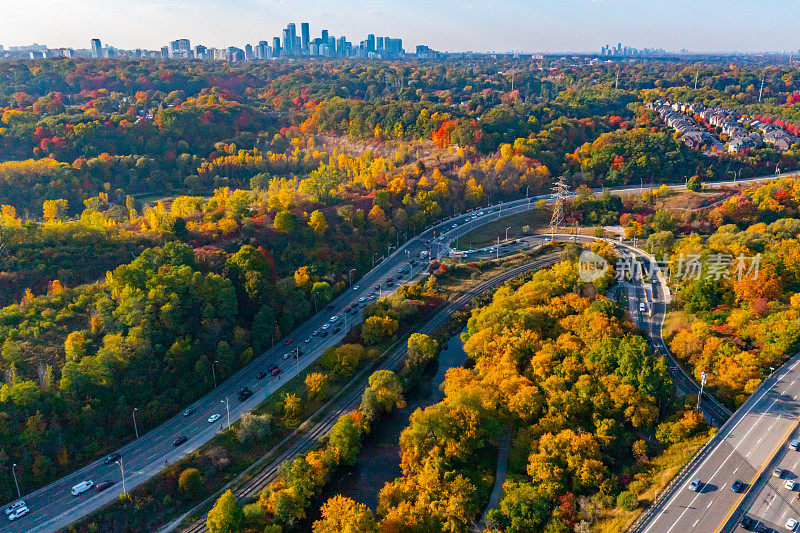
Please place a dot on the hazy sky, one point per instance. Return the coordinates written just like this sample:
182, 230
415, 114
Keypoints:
454, 25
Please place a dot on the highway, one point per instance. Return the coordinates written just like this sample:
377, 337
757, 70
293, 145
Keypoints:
53, 507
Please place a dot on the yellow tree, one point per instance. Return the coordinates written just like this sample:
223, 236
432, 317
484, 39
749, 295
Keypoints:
55, 209
343, 515
318, 223
316, 383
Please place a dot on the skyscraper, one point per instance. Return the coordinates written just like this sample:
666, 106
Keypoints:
324, 36
305, 35
97, 48
276, 47
370, 43
292, 50
288, 41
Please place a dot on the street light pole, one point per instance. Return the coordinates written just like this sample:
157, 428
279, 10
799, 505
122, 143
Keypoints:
228, 410
122, 471
16, 483
703, 377
350, 275
498, 246
214, 373
526, 190
135, 427
508, 228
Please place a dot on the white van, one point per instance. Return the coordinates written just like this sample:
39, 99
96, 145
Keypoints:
82, 487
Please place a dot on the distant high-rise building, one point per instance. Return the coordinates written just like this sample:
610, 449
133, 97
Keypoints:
276, 47
180, 48
370, 43
291, 49
379, 45
200, 52
305, 35
248, 52
324, 36
164, 52
97, 48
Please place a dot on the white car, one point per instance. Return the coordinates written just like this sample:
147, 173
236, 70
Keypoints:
334, 318
355, 288
791, 524
325, 326
82, 487
790, 484
480, 213
213, 418
13, 506
286, 356
19, 512
454, 226
361, 299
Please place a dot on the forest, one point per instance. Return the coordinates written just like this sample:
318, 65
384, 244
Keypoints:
157, 216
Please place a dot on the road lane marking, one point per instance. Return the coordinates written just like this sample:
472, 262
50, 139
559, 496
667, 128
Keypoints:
695, 523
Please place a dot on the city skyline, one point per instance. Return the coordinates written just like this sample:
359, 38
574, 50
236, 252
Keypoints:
455, 26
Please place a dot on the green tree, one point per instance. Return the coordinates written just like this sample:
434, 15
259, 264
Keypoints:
226, 515
284, 222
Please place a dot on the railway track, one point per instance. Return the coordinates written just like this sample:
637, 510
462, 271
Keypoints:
309, 434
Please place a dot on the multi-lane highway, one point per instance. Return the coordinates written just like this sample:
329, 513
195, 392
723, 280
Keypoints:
742, 449
54, 507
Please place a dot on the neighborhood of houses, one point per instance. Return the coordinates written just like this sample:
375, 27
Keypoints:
743, 132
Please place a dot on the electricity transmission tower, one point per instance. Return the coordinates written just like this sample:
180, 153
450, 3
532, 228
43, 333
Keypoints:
561, 190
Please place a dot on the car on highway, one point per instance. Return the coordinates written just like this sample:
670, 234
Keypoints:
337, 330
18, 512
746, 522
356, 288
180, 440
361, 299
288, 341
791, 524
325, 326
286, 356
790, 484
111, 458
274, 370
213, 418
454, 226
778, 472
308, 339
316, 332
188, 411
13, 506
481, 213
694, 486
795, 445
324, 333
103, 485
334, 318
245, 394
261, 375
737, 485
82, 487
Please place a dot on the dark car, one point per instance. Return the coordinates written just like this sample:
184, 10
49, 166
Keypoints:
337, 330
180, 440
288, 341
324, 333
103, 485
261, 375
737, 485
188, 411
245, 394
111, 458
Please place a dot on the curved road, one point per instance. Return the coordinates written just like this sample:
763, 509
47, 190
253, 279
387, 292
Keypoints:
53, 507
